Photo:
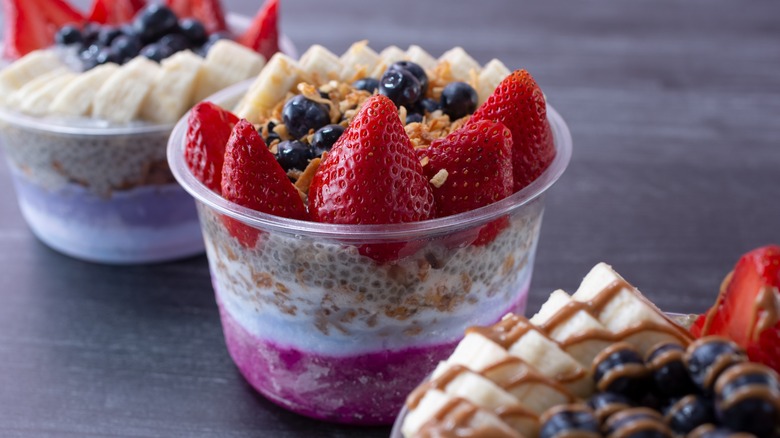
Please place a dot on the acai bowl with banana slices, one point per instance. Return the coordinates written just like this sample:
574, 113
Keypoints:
87, 103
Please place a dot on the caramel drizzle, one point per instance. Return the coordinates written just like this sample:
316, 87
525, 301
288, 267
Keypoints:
768, 393
718, 301
525, 375
456, 419
505, 332
449, 375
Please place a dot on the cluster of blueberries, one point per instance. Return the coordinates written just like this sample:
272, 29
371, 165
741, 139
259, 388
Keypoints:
711, 386
155, 33
404, 82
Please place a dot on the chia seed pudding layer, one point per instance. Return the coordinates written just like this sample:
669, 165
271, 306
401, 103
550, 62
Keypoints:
329, 333
101, 197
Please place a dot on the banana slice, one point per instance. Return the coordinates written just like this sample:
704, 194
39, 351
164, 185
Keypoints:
29, 67
37, 102
226, 64
419, 56
278, 77
462, 66
491, 75
320, 65
387, 56
525, 341
172, 92
625, 312
119, 99
17, 98
577, 331
76, 97
358, 61
440, 412
461, 382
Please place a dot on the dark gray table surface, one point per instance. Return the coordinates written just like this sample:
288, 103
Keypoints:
675, 112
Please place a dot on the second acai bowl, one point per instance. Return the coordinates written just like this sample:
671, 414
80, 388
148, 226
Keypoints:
353, 229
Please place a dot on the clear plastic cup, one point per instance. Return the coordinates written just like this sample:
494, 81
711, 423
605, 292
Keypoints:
324, 331
97, 192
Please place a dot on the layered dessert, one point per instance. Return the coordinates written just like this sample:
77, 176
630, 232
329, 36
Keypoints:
603, 361
87, 102
360, 210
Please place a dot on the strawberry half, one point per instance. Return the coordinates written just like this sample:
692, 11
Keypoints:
748, 307
262, 36
208, 12
182, 8
252, 178
478, 163
31, 24
372, 176
208, 130
519, 104
114, 11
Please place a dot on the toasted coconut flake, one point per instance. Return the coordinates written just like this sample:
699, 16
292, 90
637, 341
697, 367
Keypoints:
304, 180
440, 178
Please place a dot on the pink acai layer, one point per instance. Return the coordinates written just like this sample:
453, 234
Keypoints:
367, 389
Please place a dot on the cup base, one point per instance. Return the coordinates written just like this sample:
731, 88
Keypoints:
124, 228
361, 389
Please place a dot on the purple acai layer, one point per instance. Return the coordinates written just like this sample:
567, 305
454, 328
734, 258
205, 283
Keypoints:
363, 389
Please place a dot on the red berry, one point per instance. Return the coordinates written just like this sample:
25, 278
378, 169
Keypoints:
252, 178
477, 160
372, 176
208, 130
263, 34
114, 11
31, 24
519, 104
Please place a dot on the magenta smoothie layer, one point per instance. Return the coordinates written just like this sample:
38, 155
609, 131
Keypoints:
367, 388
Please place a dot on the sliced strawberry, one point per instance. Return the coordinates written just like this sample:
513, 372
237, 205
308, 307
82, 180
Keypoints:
31, 24
748, 307
252, 178
210, 13
208, 130
519, 104
114, 11
477, 160
372, 176
262, 36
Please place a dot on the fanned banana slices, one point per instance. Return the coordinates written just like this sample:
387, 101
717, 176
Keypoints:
41, 84
318, 66
501, 378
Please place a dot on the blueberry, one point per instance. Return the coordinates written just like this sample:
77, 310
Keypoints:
458, 99
605, 404
690, 412
127, 45
710, 431
89, 55
366, 84
194, 31
154, 21
666, 363
293, 155
748, 399
569, 420
68, 34
107, 55
414, 69
429, 105
90, 32
325, 137
401, 87
620, 369
708, 357
637, 422
414, 118
301, 115
156, 52
107, 35
175, 42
